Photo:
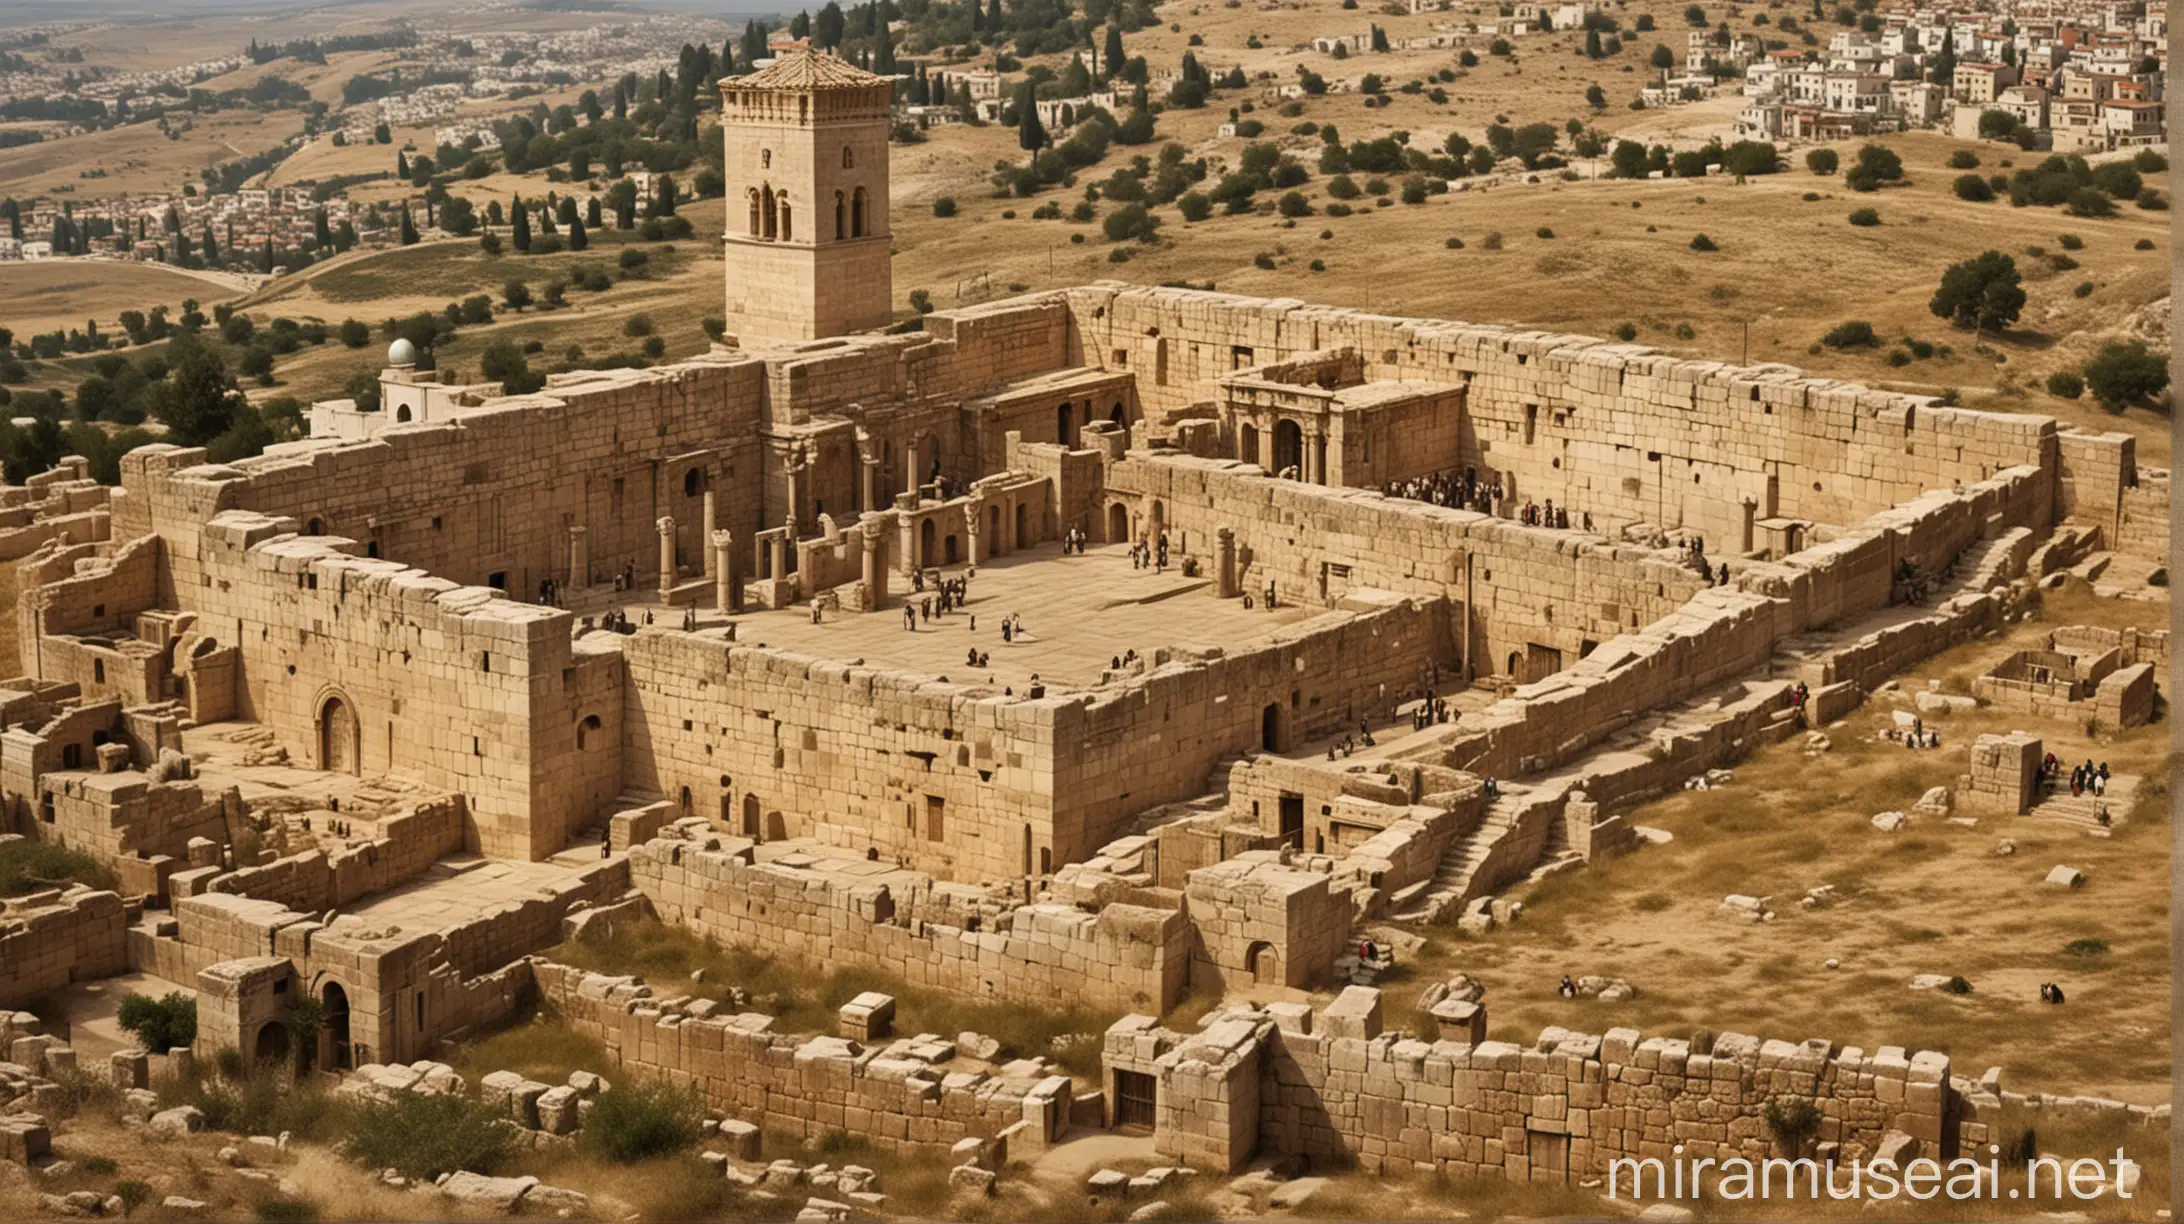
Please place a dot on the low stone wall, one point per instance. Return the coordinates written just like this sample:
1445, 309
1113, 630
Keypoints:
1333, 1087
808, 1087
1122, 956
317, 880
49, 939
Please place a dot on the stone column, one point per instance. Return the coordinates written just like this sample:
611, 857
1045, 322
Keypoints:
910, 462
706, 526
868, 483
579, 559
875, 565
1224, 563
777, 563
973, 515
796, 493
906, 523
667, 558
727, 597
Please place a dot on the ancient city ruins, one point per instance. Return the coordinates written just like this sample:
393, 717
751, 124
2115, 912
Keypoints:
1070, 647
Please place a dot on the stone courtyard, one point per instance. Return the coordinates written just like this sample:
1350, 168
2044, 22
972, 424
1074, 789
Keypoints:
379, 718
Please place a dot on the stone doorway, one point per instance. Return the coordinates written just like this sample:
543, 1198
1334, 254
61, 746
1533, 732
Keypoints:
338, 737
334, 1049
1136, 1100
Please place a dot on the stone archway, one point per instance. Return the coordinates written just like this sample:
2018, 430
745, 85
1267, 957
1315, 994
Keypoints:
340, 741
926, 533
334, 1049
1118, 524
750, 817
1263, 963
1247, 443
1288, 449
272, 1044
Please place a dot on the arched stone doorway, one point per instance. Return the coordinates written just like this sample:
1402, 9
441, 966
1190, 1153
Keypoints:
1064, 425
272, 1044
777, 828
339, 744
1263, 963
334, 1049
926, 532
1247, 443
750, 817
1118, 524
1118, 415
1023, 525
1288, 448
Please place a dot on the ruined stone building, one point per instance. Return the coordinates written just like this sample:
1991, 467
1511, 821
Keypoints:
352, 719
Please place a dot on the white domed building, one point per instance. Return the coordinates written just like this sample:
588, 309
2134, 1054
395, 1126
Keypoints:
407, 396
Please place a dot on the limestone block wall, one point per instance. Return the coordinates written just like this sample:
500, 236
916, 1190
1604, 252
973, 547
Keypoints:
495, 490
1612, 428
805, 1087
1526, 586
51, 938
937, 774
2126, 697
1261, 920
83, 591
405, 991
119, 817
1158, 738
1336, 1088
43, 739
963, 783
88, 527
368, 666
316, 880
2142, 519
1121, 956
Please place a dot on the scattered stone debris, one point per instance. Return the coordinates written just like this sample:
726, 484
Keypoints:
1751, 909
2062, 876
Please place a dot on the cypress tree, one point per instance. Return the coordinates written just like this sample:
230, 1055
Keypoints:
409, 228
520, 225
1111, 56
577, 239
1030, 133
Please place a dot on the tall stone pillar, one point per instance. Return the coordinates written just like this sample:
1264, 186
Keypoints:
906, 523
706, 526
868, 483
777, 557
1224, 563
875, 565
667, 558
727, 595
795, 470
973, 516
579, 559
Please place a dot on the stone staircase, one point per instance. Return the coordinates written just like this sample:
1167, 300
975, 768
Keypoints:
1452, 883
2084, 811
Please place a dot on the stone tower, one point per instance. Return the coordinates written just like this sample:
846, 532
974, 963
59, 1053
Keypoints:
806, 163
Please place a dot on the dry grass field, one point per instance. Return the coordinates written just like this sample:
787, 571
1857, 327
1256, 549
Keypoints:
1933, 898
64, 293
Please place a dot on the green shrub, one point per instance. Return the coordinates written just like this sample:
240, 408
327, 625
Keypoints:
1700, 242
161, 1024
2071, 242
1543, 232
1263, 261
27, 866
1492, 242
637, 1120
1973, 188
1626, 332
944, 206
1865, 217
2143, 244
2086, 947
2084, 289
1855, 334
1821, 161
1963, 159
1957, 985
421, 1136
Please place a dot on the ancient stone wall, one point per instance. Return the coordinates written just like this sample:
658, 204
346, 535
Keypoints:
51, 938
367, 666
496, 490
966, 784
1529, 586
1615, 429
1122, 956
805, 1087
316, 880
1334, 1087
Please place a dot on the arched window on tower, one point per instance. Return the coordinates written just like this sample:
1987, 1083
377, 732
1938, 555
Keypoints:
857, 214
787, 234
841, 218
765, 159
766, 201
756, 222
849, 159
